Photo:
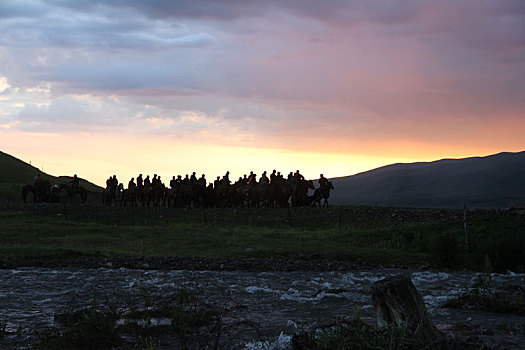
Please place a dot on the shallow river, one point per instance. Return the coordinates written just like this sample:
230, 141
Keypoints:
274, 303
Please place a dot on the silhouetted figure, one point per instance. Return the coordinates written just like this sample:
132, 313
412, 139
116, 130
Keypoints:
193, 178
140, 182
252, 178
323, 182
113, 183
226, 178
186, 180
202, 180
273, 176
217, 182
147, 181
264, 179
173, 183
290, 179
298, 177
74, 182
132, 184
37, 180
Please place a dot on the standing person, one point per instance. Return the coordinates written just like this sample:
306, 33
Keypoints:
140, 182
132, 184
147, 181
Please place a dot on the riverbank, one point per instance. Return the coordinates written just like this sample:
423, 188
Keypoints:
311, 263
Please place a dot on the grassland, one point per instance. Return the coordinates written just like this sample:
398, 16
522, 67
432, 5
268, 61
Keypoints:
369, 234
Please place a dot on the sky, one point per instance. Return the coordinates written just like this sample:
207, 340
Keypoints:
97, 88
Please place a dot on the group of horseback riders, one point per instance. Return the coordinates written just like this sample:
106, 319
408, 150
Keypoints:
274, 190
43, 192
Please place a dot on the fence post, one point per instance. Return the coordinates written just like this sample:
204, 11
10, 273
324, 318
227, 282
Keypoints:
465, 225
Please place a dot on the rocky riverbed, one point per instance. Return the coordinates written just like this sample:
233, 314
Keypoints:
262, 302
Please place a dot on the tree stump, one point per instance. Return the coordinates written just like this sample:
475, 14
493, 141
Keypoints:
397, 302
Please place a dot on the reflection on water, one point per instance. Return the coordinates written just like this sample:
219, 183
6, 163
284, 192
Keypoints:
278, 302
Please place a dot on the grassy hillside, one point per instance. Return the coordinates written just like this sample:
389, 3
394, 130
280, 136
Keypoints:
484, 182
15, 173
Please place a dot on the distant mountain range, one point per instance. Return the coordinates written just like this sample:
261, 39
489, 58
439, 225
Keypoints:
480, 182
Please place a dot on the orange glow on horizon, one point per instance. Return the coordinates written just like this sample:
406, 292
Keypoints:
96, 157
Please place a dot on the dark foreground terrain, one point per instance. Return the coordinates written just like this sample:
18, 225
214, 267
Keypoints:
78, 277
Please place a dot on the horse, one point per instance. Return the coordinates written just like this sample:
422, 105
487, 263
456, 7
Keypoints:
322, 193
109, 196
300, 193
71, 192
41, 192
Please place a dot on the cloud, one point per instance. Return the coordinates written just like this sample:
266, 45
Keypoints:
280, 70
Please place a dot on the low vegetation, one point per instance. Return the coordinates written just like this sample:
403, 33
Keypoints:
354, 334
373, 235
182, 323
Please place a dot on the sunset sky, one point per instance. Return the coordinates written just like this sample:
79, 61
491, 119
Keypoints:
334, 87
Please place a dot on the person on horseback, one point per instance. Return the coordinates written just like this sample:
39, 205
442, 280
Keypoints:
273, 176
323, 182
290, 179
74, 182
217, 182
202, 180
264, 179
252, 178
298, 177
113, 183
37, 180
132, 184
226, 178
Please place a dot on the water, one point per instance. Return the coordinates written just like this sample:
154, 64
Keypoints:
263, 309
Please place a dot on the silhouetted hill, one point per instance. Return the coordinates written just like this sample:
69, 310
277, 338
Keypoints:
15, 173
484, 182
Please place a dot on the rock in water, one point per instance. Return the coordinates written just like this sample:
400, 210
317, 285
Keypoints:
397, 302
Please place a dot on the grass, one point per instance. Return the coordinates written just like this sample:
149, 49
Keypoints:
102, 326
374, 235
